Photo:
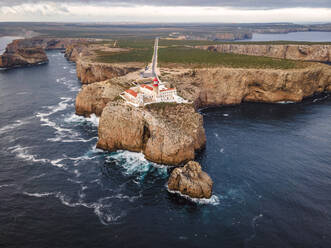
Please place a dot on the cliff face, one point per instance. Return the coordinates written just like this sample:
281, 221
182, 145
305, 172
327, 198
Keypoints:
23, 52
90, 72
166, 134
294, 52
17, 55
94, 97
233, 86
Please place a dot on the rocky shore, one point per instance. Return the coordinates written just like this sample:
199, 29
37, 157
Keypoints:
321, 53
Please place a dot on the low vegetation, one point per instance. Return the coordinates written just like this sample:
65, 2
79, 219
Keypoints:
160, 105
134, 55
195, 58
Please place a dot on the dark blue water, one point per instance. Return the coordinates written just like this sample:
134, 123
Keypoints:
271, 166
295, 36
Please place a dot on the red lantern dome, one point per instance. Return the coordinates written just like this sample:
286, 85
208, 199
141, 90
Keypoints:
156, 82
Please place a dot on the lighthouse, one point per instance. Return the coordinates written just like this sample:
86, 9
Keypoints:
156, 88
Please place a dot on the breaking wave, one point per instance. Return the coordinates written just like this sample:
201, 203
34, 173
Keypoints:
214, 199
136, 163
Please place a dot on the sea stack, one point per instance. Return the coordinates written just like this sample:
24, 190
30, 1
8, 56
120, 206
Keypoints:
190, 180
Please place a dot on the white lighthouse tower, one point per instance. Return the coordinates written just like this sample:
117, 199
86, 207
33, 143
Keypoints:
156, 90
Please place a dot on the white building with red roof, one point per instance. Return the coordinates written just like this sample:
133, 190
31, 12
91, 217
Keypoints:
151, 93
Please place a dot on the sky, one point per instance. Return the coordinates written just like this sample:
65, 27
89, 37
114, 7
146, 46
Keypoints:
158, 11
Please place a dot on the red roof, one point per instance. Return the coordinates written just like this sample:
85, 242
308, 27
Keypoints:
132, 92
168, 89
147, 87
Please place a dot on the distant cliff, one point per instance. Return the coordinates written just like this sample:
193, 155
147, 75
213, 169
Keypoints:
24, 52
18, 54
295, 52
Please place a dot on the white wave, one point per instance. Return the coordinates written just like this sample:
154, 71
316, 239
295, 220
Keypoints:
39, 195
134, 162
100, 209
285, 102
6, 185
22, 93
320, 99
72, 71
38, 176
213, 200
70, 84
12, 126
81, 119
225, 115
23, 153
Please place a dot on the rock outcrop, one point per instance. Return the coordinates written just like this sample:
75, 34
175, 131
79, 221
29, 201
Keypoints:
190, 180
91, 72
17, 55
228, 86
292, 51
165, 133
92, 98
24, 52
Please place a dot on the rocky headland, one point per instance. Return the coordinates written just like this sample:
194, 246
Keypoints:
229, 86
321, 53
17, 55
170, 134
25, 52
166, 133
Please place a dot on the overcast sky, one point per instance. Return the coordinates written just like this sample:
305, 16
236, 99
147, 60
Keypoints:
166, 10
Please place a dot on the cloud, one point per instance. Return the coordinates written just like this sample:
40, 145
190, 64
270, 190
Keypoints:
244, 4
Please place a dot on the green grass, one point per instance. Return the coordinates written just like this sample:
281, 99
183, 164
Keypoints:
194, 58
134, 55
164, 42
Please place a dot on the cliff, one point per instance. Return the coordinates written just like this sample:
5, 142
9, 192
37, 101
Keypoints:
90, 72
17, 55
294, 52
23, 52
165, 133
227, 86
94, 97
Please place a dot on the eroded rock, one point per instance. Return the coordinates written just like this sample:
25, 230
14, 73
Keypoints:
191, 180
165, 133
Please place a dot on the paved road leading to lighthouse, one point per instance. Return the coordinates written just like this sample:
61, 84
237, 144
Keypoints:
154, 60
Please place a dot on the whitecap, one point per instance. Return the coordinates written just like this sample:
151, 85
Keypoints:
22, 153
285, 102
81, 119
6, 185
12, 126
213, 200
134, 162
39, 195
